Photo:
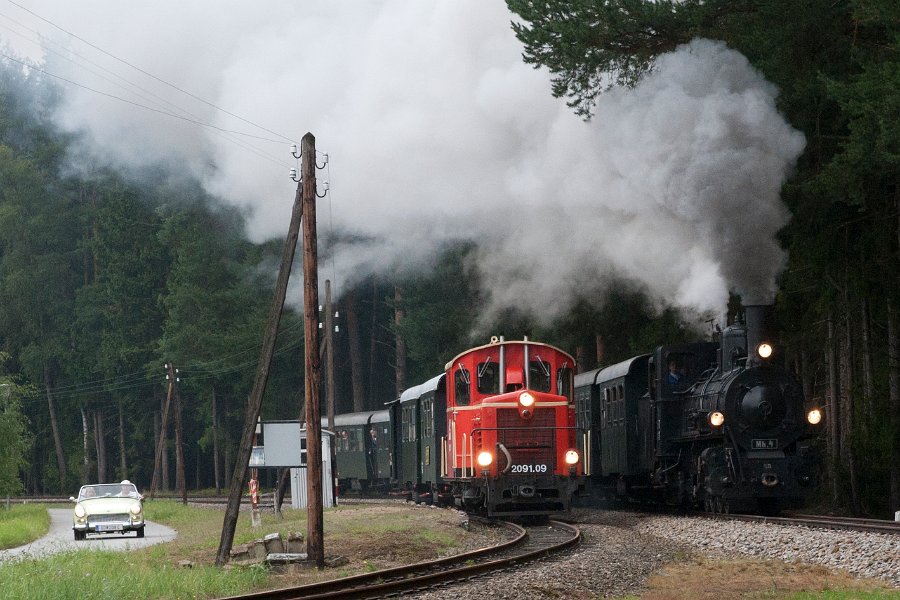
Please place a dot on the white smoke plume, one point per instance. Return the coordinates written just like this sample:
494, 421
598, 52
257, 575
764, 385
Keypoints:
436, 130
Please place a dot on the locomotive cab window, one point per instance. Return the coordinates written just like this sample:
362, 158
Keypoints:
461, 384
539, 375
680, 369
488, 377
564, 377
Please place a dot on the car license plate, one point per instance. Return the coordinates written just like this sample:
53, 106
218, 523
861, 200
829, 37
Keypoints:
764, 444
109, 527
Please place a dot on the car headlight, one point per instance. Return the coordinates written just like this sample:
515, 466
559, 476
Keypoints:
485, 458
526, 399
716, 418
571, 457
79, 511
136, 509
814, 416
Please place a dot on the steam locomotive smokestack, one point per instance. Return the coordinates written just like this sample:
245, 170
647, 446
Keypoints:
758, 319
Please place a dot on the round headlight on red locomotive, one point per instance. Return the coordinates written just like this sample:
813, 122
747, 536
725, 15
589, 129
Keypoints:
572, 457
485, 458
526, 399
716, 418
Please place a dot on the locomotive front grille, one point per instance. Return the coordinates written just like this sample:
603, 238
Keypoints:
531, 442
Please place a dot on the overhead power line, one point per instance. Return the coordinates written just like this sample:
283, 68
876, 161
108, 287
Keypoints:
151, 75
144, 106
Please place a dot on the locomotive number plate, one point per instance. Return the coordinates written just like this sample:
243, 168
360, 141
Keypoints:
764, 444
530, 469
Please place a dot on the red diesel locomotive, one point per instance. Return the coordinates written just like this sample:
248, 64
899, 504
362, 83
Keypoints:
511, 442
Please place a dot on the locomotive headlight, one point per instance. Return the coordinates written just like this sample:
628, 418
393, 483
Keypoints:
764, 350
526, 399
716, 418
572, 457
814, 416
485, 458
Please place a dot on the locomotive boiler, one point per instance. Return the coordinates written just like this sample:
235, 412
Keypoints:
717, 425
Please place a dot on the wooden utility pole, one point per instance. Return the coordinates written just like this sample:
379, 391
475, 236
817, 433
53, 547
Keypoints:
259, 384
315, 530
164, 424
180, 482
329, 364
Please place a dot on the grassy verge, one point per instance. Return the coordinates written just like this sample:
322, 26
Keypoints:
369, 538
22, 524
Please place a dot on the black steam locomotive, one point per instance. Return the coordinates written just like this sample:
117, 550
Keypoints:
718, 425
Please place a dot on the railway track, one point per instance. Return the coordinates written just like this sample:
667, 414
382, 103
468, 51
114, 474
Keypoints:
529, 543
823, 521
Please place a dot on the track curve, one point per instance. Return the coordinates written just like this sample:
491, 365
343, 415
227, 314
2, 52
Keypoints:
529, 543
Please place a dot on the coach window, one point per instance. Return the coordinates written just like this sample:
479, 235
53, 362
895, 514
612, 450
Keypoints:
607, 417
621, 404
614, 410
408, 426
539, 375
354, 442
564, 382
461, 384
488, 377
427, 418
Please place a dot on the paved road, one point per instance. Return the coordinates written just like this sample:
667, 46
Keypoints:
60, 539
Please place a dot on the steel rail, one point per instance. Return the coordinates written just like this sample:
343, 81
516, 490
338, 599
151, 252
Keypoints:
823, 521
430, 573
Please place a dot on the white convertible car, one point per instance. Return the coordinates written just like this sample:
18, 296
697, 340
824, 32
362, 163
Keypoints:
108, 508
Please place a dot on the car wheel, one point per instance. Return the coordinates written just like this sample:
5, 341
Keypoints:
79, 535
140, 532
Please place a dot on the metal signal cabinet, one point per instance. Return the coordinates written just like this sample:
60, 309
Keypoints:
510, 446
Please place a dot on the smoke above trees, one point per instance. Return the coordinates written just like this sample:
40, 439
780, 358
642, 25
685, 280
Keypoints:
436, 131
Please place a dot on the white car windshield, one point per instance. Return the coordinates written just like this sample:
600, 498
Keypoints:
108, 490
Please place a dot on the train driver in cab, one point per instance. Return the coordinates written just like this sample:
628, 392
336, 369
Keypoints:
675, 375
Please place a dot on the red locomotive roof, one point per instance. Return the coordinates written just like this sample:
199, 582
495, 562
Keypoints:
496, 343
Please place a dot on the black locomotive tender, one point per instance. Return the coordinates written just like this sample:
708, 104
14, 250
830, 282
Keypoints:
733, 433
729, 430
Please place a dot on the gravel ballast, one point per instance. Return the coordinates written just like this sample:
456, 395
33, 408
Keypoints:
620, 550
